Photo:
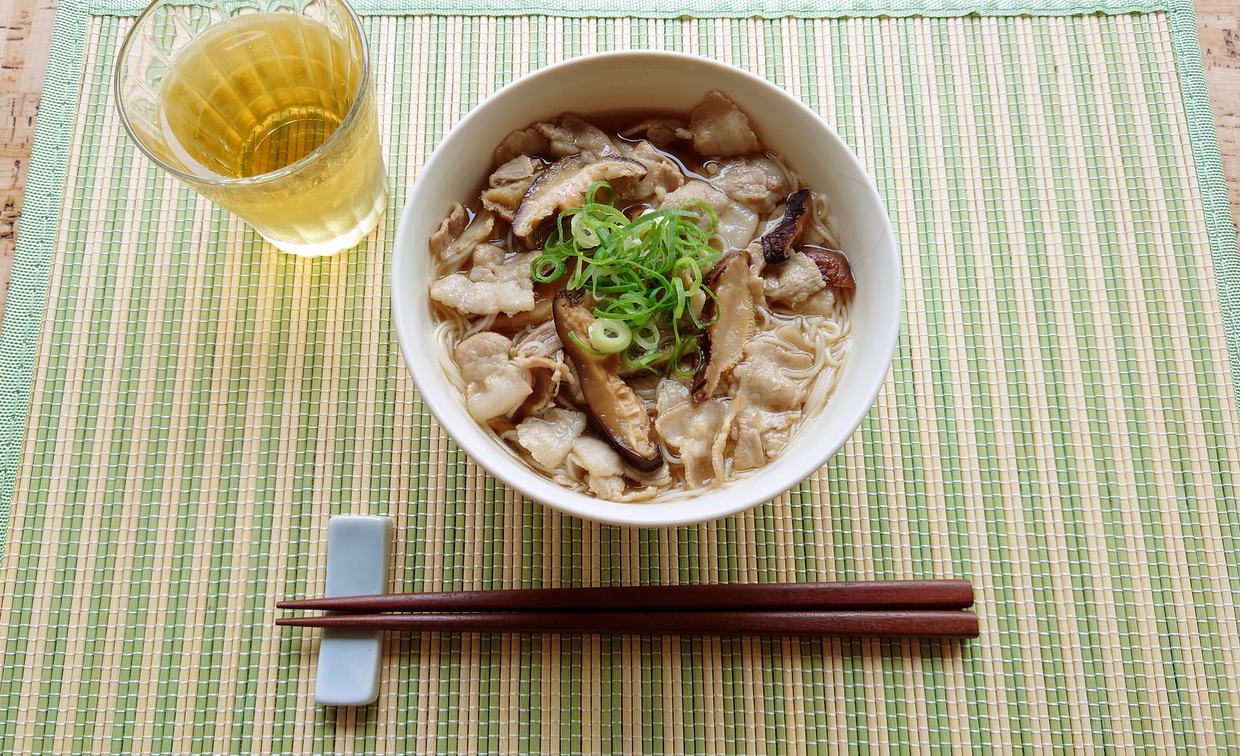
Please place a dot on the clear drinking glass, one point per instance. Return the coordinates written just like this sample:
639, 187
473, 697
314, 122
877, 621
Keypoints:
266, 107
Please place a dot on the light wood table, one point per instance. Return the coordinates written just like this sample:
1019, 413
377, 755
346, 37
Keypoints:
27, 29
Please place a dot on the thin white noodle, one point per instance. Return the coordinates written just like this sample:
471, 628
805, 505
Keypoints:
790, 176
820, 219
453, 264
483, 323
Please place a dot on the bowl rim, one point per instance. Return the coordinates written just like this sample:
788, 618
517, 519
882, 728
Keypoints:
638, 514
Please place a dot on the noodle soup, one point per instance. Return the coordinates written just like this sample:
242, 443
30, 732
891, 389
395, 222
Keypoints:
641, 306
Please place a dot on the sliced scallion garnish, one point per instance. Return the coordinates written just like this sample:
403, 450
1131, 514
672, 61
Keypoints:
645, 274
610, 336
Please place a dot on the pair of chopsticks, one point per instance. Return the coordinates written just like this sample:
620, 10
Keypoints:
913, 608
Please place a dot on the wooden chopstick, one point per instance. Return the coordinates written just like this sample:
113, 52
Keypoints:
922, 624
893, 594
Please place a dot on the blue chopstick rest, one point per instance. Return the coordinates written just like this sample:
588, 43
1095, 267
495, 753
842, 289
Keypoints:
358, 549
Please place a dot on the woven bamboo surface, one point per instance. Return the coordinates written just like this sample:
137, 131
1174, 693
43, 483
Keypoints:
1059, 426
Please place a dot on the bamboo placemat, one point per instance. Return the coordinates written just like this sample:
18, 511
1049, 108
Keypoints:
184, 408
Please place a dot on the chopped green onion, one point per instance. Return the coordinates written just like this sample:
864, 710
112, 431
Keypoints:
646, 336
681, 364
585, 236
681, 299
648, 361
642, 275
584, 345
610, 336
545, 268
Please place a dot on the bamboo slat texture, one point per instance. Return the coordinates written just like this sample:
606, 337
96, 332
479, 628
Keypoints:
1059, 426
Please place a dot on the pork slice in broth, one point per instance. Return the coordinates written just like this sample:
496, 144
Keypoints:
493, 285
697, 431
495, 386
550, 438
720, 129
570, 135
755, 181
737, 223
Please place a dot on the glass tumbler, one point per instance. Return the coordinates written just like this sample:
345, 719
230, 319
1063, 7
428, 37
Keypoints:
266, 107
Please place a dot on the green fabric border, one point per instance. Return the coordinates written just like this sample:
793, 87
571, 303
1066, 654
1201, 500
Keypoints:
36, 243
1215, 199
24, 310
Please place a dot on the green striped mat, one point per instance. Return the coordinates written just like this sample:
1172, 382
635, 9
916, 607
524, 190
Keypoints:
184, 409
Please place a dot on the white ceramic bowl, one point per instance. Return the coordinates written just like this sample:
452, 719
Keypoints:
664, 81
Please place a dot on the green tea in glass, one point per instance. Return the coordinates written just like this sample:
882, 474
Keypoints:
269, 111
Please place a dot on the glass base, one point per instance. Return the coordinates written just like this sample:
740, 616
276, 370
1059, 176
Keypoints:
340, 243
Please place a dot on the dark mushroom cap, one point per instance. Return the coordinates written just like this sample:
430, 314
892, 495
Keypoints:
734, 312
615, 411
564, 185
833, 266
777, 244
